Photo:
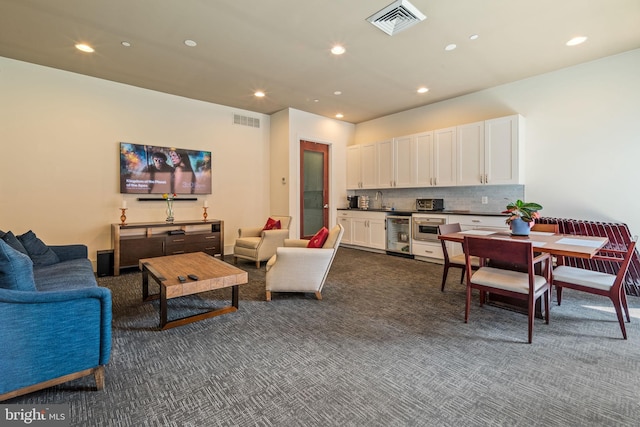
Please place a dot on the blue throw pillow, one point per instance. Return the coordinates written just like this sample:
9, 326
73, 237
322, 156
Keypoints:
39, 253
11, 240
16, 269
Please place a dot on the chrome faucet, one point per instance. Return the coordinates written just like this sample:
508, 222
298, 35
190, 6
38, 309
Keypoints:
381, 203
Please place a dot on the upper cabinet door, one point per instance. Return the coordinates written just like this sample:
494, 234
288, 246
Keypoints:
368, 163
444, 157
470, 154
354, 167
504, 150
406, 161
386, 160
424, 176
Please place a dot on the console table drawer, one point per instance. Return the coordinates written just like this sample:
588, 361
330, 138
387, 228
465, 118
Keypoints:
180, 244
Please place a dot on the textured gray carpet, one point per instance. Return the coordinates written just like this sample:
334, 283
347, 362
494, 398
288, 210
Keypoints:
383, 348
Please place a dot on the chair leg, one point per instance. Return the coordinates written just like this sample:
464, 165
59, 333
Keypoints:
235, 259
444, 276
98, 374
258, 265
268, 295
318, 295
531, 315
462, 276
617, 304
547, 297
559, 294
467, 306
623, 298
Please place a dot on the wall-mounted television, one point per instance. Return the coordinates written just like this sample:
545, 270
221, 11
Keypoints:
148, 169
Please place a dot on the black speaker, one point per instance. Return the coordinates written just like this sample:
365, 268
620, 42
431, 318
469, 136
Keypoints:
105, 263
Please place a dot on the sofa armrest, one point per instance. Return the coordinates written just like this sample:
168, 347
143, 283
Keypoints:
296, 243
68, 252
249, 232
57, 321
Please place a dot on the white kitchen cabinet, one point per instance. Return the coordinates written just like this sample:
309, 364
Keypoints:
413, 158
366, 229
444, 160
504, 150
470, 156
490, 152
386, 164
361, 166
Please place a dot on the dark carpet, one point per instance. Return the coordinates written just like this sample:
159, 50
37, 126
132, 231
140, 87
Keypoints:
383, 348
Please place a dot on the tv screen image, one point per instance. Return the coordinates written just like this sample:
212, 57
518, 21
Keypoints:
148, 169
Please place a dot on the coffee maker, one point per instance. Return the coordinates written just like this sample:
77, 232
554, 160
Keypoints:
353, 202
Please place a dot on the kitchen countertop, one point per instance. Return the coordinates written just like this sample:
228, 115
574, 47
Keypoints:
444, 212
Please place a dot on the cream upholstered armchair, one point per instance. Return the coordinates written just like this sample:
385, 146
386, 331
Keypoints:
297, 268
257, 244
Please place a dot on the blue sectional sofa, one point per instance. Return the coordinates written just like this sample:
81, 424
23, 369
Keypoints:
55, 321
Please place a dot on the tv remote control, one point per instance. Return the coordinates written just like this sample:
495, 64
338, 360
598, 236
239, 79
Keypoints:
193, 277
182, 279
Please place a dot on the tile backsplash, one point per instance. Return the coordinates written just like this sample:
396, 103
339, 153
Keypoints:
455, 198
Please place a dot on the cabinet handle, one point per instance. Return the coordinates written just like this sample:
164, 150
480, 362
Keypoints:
486, 178
177, 240
429, 252
475, 220
210, 249
211, 237
177, 252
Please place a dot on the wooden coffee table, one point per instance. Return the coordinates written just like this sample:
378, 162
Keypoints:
212, 274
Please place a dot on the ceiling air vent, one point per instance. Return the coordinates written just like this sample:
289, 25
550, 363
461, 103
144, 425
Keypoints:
396, 17
246, 121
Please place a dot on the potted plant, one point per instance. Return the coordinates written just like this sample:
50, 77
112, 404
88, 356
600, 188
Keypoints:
522, 216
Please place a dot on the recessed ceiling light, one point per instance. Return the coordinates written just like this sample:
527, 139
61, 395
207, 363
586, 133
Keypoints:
423, 90
84, 47
450, 47
190, 43
338, 50
576, 41
125, 44
259, 94
473, 37
338, 92
339, 115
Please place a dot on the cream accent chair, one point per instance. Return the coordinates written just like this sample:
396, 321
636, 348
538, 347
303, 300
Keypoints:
296, 268
256, 244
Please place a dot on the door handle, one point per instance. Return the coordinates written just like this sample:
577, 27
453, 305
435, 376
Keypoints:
326, 206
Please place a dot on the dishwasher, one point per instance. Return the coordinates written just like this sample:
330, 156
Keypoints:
399, 235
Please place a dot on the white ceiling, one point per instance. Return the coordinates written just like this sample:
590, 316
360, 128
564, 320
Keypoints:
282, 47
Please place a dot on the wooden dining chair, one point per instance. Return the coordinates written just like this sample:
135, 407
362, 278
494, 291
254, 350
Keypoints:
546, 228
599, 283
455, 261
522, 285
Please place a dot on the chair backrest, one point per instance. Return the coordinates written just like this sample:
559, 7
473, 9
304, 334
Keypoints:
501, 252
285, 221
448, 229
548, 228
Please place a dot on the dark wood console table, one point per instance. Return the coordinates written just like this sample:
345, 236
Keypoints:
133, 242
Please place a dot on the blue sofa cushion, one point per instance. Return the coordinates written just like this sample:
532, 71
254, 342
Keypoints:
39, 253
10, 239
66, 275
16, 269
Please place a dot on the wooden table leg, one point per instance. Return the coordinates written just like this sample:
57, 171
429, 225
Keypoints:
234, 295
163, 306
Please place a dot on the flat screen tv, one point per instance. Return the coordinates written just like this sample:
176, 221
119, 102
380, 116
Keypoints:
147, 169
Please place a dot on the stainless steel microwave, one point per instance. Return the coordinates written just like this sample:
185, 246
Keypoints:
429, 204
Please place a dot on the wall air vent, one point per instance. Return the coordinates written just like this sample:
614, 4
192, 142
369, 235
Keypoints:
396, 17
246, 121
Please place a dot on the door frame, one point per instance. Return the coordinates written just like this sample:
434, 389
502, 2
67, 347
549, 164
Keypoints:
308, 145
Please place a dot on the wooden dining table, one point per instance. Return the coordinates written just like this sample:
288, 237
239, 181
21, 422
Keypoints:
558, 245
555, 244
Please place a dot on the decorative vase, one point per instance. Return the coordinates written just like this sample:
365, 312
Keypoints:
520, 227
169, 210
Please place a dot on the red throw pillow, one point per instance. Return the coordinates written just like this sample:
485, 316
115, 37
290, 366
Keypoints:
272, 224
318, 240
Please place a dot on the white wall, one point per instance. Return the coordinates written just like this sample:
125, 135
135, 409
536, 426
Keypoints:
60, 135
582, 135
336, 134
